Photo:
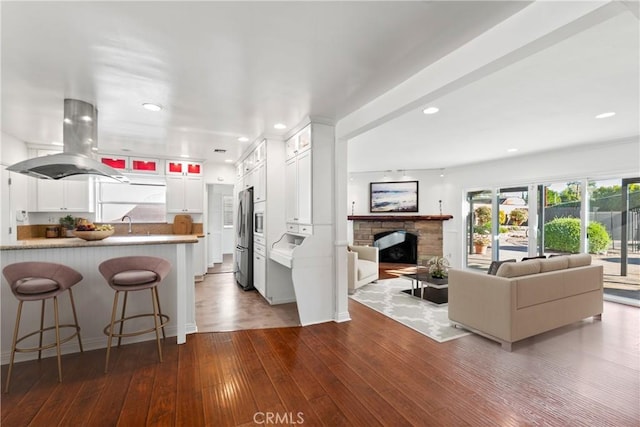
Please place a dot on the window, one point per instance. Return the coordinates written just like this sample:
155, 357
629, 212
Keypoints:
227, 206
143, 202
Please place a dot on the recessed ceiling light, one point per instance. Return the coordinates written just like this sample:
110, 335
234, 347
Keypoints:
228, 161
511, 150
185, 156
57, 143
67, 120
605, 115
431, 110
151, 107
86, 118
280, 126
243, 139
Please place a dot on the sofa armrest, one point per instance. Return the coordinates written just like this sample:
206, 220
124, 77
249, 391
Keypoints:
369, 253
352, 268
483, 302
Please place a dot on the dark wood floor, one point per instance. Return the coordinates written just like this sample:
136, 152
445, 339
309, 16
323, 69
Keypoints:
366, 372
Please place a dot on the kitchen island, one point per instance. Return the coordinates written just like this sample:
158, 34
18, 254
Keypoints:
93, 296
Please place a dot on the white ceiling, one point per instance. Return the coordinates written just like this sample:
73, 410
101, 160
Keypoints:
544, 101
223, 70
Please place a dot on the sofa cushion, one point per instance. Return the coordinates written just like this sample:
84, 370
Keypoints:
495, 265
553, 264
517, 269
366, 268
579, 260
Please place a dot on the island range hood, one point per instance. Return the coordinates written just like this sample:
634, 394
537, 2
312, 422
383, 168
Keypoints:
80, 131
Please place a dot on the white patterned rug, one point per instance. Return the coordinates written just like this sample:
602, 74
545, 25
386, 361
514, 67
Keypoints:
386, 297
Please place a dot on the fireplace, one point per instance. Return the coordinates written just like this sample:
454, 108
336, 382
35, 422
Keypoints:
427, 229
397, 246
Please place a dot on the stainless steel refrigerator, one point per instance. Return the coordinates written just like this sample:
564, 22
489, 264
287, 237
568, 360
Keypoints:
244, 240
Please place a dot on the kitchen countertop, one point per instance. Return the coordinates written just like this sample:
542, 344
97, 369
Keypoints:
115, 240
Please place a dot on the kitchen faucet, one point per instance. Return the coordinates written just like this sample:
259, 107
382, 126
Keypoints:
129, 218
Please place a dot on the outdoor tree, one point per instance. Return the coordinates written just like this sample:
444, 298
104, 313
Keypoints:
553, 198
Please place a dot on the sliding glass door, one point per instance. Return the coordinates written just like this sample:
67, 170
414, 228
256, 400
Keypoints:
479, 223
614, 235
512, 223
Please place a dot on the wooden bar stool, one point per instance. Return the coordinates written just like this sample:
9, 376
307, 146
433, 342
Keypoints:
135, 273
39, 281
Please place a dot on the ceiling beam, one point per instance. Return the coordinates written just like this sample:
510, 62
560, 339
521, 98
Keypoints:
534, 28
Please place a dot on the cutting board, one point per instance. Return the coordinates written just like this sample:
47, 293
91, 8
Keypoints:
182, 224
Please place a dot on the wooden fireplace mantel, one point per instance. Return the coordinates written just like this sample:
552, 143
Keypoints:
399, 217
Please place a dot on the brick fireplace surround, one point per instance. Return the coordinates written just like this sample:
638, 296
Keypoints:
427, 227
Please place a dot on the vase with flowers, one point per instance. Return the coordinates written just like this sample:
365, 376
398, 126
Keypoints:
438, 270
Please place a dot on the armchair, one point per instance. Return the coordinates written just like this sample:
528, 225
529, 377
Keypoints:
362, 266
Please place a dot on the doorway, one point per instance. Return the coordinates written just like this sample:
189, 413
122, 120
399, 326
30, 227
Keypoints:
220, 237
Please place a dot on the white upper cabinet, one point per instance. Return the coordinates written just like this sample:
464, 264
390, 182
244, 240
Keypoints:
298, 185
142, 165
298, 143
260, 183
185, 194
64, 195
183, 168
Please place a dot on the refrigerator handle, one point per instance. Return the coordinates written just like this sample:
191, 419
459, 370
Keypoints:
240, 224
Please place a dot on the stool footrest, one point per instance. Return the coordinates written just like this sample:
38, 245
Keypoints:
47, 346
164, 320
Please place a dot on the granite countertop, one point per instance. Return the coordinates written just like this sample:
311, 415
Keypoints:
115, 240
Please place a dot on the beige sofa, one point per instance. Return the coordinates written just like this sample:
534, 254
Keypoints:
362, 266
526, 298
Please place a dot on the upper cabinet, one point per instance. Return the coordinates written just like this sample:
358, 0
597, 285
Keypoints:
251, 172
132, 164
185, 194
298, 143
185, 189
184, 168
62, 195
298, 182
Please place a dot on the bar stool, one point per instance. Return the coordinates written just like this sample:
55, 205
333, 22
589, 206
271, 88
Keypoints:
39, 281
135, 273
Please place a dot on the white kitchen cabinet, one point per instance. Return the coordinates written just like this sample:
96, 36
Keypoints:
260, 270
298, 191
64, 195
142, 165
260, 153
298, 143
183, 168
259, 183
199, 262
185, 194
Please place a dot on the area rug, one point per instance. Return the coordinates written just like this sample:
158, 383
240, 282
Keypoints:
386, 297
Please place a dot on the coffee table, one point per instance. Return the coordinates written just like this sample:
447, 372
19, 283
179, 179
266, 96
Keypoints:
436, 293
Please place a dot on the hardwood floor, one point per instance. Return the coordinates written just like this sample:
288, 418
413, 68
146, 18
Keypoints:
221, 306
366, 372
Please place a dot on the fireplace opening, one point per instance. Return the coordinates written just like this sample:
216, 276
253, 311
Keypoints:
397, 246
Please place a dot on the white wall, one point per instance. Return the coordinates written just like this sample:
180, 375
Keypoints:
12, 198
219, 173
615, 159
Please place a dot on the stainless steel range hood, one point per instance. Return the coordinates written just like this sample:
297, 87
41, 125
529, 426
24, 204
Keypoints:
80, 131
